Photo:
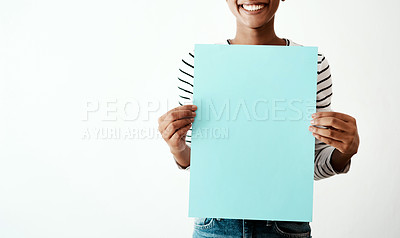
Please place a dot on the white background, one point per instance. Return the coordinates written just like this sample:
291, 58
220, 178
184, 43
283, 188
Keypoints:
55, 56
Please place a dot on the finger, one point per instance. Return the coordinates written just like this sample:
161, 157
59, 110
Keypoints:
331, 122
176, 115
179, 134
174, 126
339, 115
184, 107
333, 134
329, 141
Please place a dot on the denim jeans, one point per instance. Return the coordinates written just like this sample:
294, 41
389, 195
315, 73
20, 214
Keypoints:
235, 228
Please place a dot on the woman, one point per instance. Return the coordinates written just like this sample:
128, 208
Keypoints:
336, 133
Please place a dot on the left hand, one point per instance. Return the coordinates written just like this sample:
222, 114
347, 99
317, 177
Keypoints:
341, 132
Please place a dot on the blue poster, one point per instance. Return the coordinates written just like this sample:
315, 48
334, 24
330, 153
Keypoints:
252, 156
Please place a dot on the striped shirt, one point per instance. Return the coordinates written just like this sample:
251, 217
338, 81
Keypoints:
322, 165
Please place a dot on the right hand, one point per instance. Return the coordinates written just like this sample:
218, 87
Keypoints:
175, 124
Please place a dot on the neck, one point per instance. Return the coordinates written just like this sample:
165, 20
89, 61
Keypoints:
264, 35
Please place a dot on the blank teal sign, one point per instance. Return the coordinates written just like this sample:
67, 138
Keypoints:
252, 156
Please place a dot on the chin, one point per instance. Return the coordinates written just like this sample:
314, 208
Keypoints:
255, 24
255, 21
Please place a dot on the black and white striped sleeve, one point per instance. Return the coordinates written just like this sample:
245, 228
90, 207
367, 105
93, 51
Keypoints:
323, 152
184, 88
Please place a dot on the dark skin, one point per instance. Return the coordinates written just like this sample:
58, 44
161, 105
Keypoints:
257, 28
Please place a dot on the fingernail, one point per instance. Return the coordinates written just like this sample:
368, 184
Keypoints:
312, 122
194, 107
313, 115
193, 114
191, 119
310, 128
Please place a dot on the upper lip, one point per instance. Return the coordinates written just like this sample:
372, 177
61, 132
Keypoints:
252, 3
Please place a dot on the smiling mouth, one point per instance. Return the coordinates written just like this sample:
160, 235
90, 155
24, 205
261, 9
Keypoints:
253, 8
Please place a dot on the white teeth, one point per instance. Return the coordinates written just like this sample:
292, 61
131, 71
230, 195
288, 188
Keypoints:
253, 7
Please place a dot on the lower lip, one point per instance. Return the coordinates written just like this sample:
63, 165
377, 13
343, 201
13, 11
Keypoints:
253, 12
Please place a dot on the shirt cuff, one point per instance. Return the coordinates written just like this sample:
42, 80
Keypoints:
179, 166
